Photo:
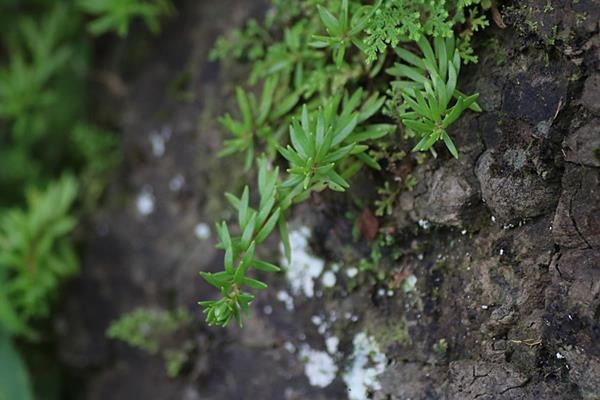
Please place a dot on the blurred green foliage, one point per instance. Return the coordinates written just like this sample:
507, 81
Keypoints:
36, 254
14, 380
116, 15
151, 330
55, 159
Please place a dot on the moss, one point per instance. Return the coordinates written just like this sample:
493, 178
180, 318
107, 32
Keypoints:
387, 334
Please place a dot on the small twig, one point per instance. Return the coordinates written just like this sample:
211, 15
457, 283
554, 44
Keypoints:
497, 17
528, 342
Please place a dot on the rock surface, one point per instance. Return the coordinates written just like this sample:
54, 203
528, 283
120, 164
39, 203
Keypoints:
486, 285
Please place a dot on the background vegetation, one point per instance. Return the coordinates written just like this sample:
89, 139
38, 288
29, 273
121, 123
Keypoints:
55, 155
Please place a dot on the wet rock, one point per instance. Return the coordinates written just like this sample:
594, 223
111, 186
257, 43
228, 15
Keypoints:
525, 339
409, 381
139, 377
512, 191
535, 95
572, 304
590, 98
554, 21
592, 47
448, 197
583, 145
578, 270
89, 306
584, 371
484, 380
491, 133
577, 219
533, 243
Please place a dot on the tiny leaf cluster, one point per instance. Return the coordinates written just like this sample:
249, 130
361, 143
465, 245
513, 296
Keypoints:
428, 87
322, 143
319, 69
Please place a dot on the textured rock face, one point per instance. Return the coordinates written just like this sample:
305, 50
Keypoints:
481, 380
577, 219
572, 304
590, 98
463, 306
449, 196
583, 146
511, 191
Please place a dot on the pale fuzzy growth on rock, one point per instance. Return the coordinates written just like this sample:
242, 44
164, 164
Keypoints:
304, 267
410, 283
158, 141
367, 364
351, 272
285, 298
158, 145
328, 279
332, 344
176, 183
319, 367
145, 202
202, 231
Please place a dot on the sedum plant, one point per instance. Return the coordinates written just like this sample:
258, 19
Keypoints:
116, 15
343, 30
321, 143
45, 67
36, 255
256, 124
37, 56
428, 87
306, 54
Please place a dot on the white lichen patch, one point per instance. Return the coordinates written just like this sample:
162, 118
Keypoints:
158, 140
289, 346
351, 272
319, 367
409, 284
176, 183
368, 362
158, 144
285, 298
332, 344
202, 231
328, 279
304, 268
145, 202
424, 224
